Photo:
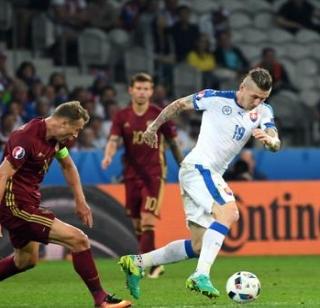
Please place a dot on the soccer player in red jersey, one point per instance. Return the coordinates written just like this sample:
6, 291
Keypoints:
145, 168
27, 157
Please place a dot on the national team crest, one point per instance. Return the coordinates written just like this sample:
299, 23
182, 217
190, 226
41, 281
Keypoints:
253, 116
18, 152
226, 110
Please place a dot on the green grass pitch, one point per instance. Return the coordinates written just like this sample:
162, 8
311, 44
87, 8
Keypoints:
286, 282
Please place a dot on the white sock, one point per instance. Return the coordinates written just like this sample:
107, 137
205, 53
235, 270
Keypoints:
211, 244
173, 252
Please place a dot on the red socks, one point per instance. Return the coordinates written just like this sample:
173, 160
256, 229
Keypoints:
8, 268
147, 241
84, 265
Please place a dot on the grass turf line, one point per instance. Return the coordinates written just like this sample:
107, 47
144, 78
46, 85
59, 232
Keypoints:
286, 282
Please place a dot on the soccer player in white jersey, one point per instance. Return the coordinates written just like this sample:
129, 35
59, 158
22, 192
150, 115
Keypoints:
229, 119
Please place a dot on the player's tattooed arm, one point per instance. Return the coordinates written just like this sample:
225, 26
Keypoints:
276, 143
269, 138
170, 112
175, 149
110, 150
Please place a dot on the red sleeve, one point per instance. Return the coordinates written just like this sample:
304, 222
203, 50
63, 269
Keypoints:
68, 144
169, 130
116, 128
18, 149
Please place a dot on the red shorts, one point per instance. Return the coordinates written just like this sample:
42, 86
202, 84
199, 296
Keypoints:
27, 224
143, 196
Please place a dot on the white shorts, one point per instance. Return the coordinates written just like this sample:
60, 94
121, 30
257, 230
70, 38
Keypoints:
201, 188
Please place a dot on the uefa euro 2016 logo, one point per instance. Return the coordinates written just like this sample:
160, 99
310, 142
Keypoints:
18, 152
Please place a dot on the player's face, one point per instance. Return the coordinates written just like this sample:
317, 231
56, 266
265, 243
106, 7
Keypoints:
252, 96
69, 130
141, 92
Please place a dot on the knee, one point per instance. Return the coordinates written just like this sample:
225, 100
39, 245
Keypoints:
231, 216
80, 240
234, 215
228, 215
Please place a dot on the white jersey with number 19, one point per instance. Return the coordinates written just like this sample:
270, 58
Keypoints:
225, 128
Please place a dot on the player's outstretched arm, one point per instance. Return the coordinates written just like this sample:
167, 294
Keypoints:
73, 179
269, 138
6, 171
110, 150
169, 112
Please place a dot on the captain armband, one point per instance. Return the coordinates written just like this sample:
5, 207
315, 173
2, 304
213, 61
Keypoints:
63, 153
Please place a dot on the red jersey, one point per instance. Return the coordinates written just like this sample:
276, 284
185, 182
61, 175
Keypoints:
141, 161
30, 154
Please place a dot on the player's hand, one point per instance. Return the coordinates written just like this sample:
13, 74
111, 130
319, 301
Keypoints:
105, 163
84, 212
150, 137
1, 235
263, 137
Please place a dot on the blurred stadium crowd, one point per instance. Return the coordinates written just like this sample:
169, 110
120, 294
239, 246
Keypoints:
57, 50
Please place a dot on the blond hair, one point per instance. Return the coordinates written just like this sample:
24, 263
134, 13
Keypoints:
261, 77
72, 111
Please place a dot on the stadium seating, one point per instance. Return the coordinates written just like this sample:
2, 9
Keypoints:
310, 97
263, 20
6, 15
42, 33
314, 50
251, 52
203, 6
254, 36
186, 80
239, 20
297, 51
279, 36
307, 67
138, 60
305, 36
257, 7
94, 48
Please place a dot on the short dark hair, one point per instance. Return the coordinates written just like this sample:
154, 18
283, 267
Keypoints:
140, 77
261, 77
72, 111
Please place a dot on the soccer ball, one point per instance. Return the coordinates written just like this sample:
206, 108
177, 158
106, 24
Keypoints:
243, 287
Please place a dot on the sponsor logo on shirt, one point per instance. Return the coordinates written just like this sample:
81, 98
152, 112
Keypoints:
226, 110
18, 152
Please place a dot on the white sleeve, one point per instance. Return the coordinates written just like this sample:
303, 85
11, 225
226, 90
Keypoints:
203, 100
267, 117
